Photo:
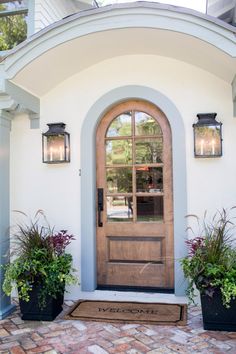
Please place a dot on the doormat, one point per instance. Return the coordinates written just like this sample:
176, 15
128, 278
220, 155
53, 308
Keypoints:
129, 312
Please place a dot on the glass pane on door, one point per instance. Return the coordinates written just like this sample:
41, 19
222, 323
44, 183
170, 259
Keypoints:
120, 126
119, 180
150, 208
149, 179
146, 125
119, 152
119, 209
148, 150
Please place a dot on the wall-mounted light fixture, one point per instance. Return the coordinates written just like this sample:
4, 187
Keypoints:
207, 136
56, 144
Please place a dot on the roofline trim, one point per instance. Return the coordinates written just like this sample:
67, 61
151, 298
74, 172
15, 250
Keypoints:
144, 14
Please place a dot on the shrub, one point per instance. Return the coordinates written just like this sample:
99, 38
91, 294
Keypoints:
211, 260
39, 257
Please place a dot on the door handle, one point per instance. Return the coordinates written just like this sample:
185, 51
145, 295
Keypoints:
100, 206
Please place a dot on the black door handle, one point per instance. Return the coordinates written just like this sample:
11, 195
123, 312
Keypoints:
100, 206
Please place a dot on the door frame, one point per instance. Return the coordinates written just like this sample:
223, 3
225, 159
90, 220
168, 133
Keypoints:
88, 178
149, 274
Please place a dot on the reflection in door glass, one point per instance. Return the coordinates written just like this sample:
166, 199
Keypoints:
119, 152
120, 126
149, 150
146, 125
149, 179
119, 209
150, 208
119, 180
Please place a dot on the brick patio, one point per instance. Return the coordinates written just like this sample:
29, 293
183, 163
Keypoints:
63, 336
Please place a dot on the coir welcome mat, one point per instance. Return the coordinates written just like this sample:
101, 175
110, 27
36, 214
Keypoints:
129, 312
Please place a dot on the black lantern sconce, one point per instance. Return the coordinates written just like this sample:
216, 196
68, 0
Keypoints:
207, 136
56, 144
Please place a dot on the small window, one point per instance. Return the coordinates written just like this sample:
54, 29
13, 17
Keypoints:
13, 25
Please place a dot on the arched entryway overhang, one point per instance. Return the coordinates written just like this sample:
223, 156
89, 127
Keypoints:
88, 37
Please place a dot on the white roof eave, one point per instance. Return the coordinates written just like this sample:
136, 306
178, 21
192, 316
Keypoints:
122, 16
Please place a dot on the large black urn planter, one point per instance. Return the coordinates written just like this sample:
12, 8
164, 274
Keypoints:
31, 310
216, 317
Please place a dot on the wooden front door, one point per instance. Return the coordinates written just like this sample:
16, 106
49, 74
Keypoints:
134, 198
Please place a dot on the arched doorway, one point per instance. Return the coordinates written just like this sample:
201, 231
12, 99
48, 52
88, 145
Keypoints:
134, 198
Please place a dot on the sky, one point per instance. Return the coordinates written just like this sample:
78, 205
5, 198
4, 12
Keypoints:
199, 5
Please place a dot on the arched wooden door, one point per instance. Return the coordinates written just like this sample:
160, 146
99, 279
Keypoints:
134, 198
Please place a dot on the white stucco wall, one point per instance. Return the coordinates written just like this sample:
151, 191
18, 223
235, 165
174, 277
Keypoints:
56, 188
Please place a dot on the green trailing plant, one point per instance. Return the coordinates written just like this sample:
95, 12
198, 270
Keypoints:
211, 260
39, 258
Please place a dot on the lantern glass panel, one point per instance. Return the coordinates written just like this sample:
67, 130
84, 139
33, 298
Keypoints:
55, 149
66, 147
208, 140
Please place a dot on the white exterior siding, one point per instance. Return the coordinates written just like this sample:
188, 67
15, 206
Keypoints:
218, 8
50, 11
42, 13
56, 188
223, 9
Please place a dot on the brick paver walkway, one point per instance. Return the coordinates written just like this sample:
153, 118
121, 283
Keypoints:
80, 337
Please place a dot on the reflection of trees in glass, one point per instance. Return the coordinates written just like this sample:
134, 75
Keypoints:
120, 126
146, 125
119, 152
13, 29
149, 151
208, 132
119, 180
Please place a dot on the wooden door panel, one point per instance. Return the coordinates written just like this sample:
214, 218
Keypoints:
135, 229
143, 275
131, 249
134, 244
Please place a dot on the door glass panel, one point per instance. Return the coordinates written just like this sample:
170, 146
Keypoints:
149, 179
148, 150
119, 152
120, 126
146, 125
119, 209
150, 208
134, 138
119, 180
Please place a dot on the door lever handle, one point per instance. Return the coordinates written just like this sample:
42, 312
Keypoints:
100, 206
100, 223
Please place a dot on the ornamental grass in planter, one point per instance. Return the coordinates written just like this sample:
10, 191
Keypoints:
40, 269
210, 267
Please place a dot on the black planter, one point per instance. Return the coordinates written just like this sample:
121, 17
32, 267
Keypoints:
31, 311
216, 317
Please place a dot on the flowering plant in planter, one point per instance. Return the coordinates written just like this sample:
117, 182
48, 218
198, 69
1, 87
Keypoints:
39, 260
211, 261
